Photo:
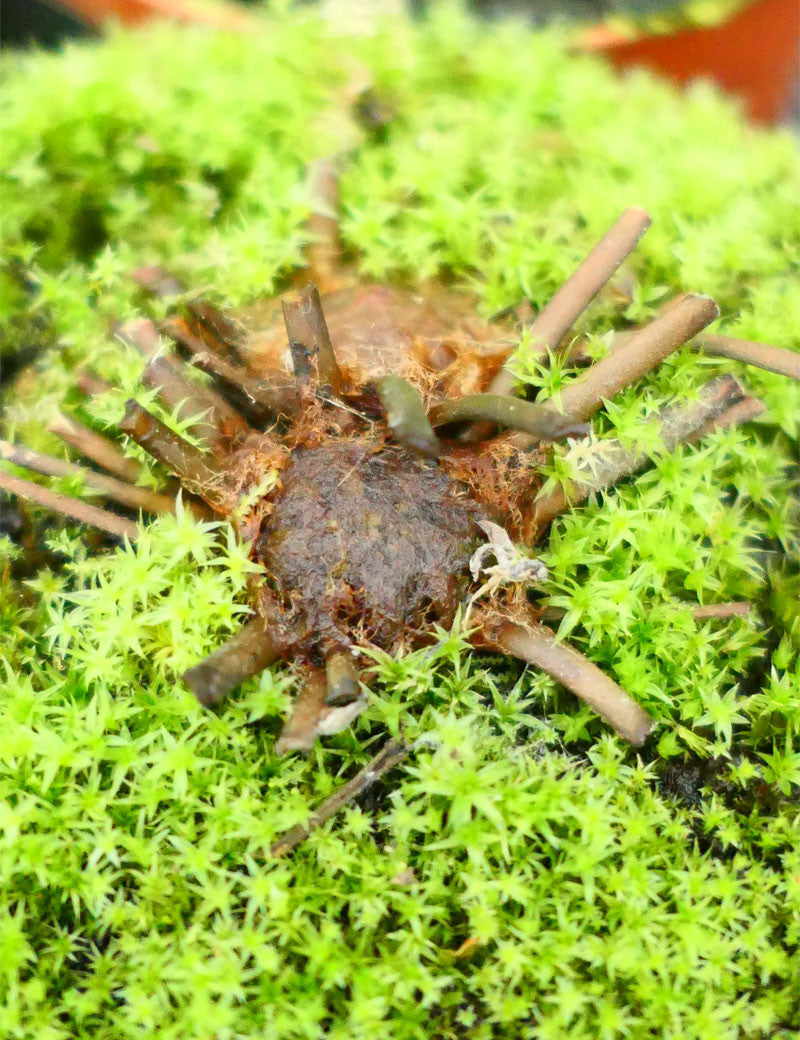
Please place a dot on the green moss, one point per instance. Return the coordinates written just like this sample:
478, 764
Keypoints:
138, 897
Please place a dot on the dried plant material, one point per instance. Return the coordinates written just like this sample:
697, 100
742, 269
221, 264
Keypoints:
259, 400
197, 471
722, 611
323, 252
468, 947
95, 447
73, 508
608, 462
772, 359
244, 655
113, 489
309, 340
511, 567
560, 313
220, 423
90, 384
532, 642
390, 755
638, 356
741, 412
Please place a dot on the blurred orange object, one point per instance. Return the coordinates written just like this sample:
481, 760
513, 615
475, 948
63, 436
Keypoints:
753, 55
134, 12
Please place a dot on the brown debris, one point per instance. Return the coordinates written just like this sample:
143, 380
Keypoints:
313, 356
254, 646
367, 542
259, 400
721, 611
198, 471
220, 424
772, 359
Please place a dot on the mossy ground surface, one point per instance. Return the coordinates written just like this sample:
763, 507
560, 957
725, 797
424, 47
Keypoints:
563, 884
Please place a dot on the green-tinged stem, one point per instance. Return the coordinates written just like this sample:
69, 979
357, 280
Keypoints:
406, 418
540, 421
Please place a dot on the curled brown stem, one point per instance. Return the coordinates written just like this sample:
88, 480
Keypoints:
116, 490
70, 507
540, 421
721, 611
244, 655
558, 316
196, 470
309, 340
610, 462
342, 679
301, 729
406, 418
256, 399
95, 447
532, 642
773, 359
220, 424
390, 755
